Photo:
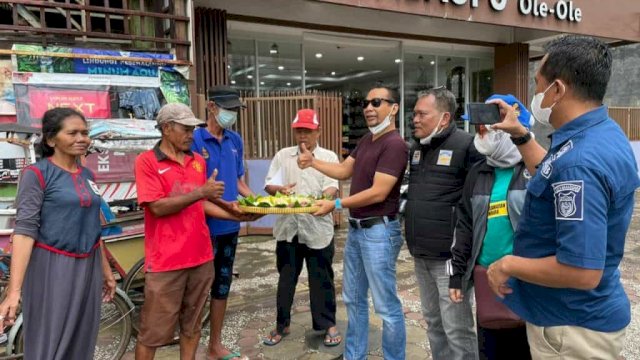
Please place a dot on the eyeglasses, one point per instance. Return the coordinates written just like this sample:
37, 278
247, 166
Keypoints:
375, 102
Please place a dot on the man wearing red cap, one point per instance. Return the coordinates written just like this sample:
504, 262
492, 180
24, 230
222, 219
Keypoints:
304, 237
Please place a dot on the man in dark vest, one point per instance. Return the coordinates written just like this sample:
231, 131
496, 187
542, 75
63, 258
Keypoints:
439, 163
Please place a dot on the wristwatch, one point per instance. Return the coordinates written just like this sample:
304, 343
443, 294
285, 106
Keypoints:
338, 204
522, 139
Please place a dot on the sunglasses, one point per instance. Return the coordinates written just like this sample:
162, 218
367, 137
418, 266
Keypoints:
375, 102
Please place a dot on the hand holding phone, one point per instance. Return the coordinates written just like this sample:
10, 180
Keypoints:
483, 114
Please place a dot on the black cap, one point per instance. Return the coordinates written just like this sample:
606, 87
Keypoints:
225, 97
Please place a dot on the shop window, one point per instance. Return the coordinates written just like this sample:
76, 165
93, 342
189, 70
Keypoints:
350, 66
419, 75
452, 74
242, 71
481, 76
279, 67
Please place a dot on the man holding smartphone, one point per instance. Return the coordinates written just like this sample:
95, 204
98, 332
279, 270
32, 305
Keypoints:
563, 277
439, 163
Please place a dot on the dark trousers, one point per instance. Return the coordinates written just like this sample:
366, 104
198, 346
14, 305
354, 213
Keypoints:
503, 344
322, 293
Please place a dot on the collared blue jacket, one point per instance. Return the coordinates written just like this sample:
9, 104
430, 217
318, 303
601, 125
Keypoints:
578, 207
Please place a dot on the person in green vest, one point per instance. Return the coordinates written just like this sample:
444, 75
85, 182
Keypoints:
488, 215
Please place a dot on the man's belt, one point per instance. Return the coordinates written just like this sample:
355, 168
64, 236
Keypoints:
369, 222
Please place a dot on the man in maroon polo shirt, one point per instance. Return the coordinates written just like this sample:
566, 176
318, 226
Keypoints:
174, 191
375, 238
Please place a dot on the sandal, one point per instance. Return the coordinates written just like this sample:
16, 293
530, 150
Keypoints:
234, 355
271, 340
332, 339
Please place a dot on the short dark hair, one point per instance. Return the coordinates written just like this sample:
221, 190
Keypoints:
445, 100
583, 62
394, 94
52, 124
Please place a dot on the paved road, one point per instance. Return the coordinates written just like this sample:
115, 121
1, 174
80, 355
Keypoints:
252, 306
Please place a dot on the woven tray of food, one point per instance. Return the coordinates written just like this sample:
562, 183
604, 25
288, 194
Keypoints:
278, 204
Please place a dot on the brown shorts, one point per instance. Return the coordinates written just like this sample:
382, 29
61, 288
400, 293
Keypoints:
171, 297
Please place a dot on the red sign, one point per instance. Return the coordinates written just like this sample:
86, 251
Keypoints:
93, 104
112, 166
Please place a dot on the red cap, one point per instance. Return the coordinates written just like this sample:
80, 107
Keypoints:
306, 118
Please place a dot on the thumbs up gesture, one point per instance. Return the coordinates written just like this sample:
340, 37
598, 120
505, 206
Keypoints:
305, 157
213, 189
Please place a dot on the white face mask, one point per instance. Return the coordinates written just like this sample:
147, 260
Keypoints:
540, 114
487, 144
436, 131
377, 129
226, 118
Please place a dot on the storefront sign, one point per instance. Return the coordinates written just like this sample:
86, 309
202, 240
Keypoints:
610, 19
93, 104
562, 9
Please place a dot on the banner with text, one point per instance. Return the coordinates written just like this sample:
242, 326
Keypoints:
93, 104
88, 61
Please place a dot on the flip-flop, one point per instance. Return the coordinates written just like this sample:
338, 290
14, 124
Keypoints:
270, 340
233, 356
329, 339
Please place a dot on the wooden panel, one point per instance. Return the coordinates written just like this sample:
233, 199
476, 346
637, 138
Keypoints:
137, 39
634, 124
628, 119
621, 116
210, 38
277, 110
180, 29
511, 70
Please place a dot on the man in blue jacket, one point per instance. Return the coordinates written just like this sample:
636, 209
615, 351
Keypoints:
563, 276
222, 149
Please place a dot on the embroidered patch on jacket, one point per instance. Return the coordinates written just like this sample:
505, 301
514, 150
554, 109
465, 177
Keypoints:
569, 196
547, 168
564, 149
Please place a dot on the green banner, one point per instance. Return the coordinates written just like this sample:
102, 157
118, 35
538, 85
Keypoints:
174, 87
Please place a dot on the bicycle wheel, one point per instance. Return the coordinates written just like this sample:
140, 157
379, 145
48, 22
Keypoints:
115, 328
133, 286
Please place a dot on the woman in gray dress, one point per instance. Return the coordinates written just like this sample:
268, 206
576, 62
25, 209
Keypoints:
58, 268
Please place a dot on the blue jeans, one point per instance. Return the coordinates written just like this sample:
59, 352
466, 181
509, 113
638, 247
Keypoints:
450, 326
370, 262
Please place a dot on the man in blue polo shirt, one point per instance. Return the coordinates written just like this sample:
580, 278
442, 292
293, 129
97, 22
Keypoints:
222, 149
563, 276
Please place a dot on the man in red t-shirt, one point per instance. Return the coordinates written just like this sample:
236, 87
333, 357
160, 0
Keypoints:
174, 191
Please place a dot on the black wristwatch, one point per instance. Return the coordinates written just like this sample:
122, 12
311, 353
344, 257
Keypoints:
521, 140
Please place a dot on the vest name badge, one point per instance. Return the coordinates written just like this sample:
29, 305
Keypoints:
415, 159
444, 158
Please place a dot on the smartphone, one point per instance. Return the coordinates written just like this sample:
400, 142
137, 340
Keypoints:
481, 113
